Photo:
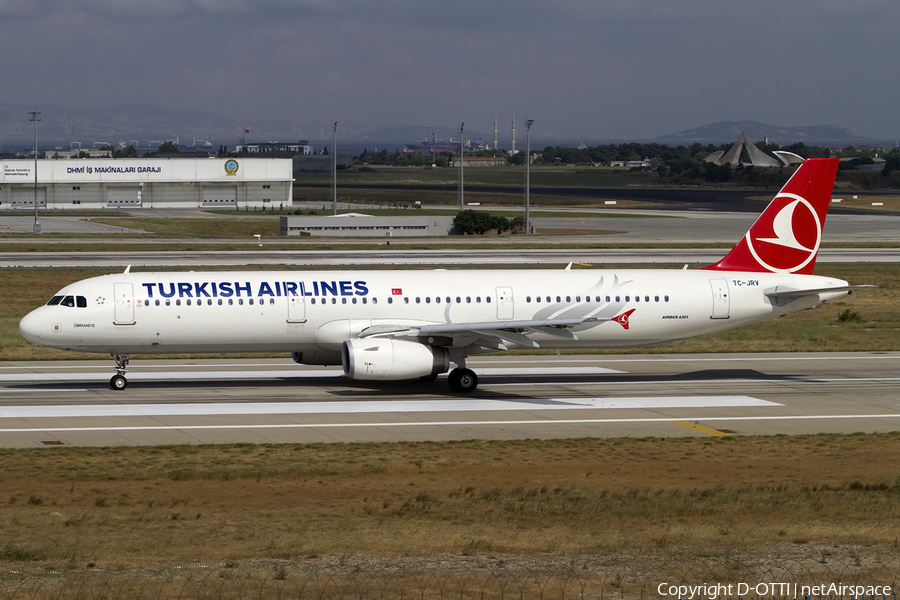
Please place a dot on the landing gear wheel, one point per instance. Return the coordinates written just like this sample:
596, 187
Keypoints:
463, 380
118, 382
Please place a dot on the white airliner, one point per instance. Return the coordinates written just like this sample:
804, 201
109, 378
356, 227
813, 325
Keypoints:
396, 325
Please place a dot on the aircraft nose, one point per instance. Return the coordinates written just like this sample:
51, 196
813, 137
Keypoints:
30, 327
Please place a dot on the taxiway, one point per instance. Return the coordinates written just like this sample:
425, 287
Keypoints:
276, 401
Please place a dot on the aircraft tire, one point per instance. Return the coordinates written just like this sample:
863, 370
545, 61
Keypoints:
118, 382
463, 380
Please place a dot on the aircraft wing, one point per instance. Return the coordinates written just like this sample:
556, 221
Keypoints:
498, 334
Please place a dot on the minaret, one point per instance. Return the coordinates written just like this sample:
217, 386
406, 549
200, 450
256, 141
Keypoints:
513, 149
495, 133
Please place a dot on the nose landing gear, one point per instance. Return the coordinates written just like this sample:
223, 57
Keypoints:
118, 381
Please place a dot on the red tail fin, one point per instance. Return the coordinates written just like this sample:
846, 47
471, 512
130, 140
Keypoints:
786, 236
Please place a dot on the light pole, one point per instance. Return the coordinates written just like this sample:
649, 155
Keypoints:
334, 169
461, 192
35, 117
528, 124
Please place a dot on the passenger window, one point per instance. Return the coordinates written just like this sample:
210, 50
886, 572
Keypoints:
656, 298
178, 303
478, 299
646, 298
157, 302
250, 301
558, 299
568, 298
334, 300
458, 300
537, 299
448, 299
271, 301
488, 299
374, 300
418, 300
81, 301
627, 298
390, 300
354, 300
230, 301
577, 298
468, 299
427, 299
528, 299
168, 303
188, 302
364, 301
617, 299
636, 298
437, 299
666, 298
406, 300
343, 301
240, 301
220, 302
548, 298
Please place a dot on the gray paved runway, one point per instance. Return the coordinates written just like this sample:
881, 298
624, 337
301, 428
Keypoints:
276, 401
407, 258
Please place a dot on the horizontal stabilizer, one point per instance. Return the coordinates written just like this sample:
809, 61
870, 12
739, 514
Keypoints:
780, 292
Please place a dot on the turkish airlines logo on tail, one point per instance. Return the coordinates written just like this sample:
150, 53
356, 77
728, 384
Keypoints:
788, 241
624, 319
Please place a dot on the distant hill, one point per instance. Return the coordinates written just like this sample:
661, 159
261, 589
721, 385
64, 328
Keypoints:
723, 132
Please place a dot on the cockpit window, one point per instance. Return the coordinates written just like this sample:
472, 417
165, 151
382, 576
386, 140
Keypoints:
69, 301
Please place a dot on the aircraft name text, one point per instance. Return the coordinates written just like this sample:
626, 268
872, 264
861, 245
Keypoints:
227, 289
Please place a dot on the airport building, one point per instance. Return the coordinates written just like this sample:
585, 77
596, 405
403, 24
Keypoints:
358, 225
147, 183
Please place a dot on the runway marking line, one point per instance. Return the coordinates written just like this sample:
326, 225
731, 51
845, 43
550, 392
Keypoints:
251, 427
701, 428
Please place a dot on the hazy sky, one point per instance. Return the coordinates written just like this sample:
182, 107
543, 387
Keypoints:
592, 68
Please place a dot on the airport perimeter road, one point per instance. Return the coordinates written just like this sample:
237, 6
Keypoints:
407, 258
276, 401
612, 227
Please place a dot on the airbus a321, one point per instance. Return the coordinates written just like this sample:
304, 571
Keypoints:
402, 325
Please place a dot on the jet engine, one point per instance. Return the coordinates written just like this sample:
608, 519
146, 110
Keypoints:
316, 358
381, 359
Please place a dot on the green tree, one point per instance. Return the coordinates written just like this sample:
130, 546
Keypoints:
127, 152
168, 148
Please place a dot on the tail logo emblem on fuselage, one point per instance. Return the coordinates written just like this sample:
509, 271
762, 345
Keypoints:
790, 240
624, 319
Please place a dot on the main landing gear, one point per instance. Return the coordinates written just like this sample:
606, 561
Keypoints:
463, 380
118, 381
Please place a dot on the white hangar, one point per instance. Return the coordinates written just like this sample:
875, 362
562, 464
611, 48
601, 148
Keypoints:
147, 183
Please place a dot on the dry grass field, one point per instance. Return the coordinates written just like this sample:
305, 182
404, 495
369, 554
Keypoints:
654, 507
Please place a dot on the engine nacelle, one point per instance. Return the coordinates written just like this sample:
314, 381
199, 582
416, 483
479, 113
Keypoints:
384, 359
316, 358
